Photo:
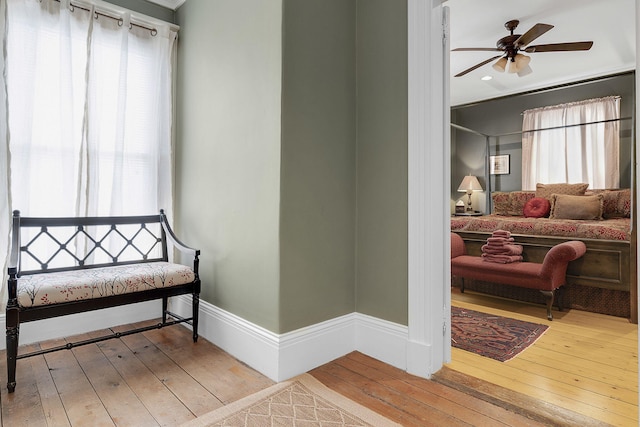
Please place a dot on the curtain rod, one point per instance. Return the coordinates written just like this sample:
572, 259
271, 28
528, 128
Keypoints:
538, 130
453, 125
567, 126
571, 104
73, 6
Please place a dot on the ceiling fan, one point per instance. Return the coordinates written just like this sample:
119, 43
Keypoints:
510, 47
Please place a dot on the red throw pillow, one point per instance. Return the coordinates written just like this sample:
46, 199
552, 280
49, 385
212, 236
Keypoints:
538, 207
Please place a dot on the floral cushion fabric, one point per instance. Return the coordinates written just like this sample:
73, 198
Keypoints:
510, 203
610, 229
501, 202
65, 286
518, 200
615, 203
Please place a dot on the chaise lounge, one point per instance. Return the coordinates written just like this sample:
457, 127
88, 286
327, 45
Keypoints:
547, 277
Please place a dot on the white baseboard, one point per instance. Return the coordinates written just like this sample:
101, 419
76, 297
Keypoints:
80, 323
283, 356
278, 356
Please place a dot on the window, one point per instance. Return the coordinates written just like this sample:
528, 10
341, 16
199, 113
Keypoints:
572, 143
89, 111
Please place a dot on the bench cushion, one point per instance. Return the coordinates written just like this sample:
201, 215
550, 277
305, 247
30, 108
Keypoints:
52, 288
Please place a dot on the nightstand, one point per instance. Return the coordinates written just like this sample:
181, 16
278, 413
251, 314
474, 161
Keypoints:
474, 213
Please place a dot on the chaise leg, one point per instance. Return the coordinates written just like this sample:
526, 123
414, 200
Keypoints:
196, 308
560, 297
549, 297
462, 285
13, 328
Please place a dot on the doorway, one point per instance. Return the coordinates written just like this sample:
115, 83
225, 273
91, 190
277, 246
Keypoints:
548, 14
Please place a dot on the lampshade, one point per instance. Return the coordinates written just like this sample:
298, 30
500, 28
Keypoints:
500, 64
469, 183
526, 70
518, 63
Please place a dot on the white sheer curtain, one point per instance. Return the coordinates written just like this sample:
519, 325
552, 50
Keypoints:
5, 202
572, 154
89, 112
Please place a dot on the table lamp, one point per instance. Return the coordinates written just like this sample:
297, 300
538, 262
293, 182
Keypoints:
468, 185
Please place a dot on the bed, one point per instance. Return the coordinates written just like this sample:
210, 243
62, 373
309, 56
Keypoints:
600, 281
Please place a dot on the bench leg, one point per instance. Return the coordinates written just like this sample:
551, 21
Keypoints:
13, 329
165, 305
549, 297
196, 309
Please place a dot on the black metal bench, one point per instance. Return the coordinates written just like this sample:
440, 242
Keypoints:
61, 266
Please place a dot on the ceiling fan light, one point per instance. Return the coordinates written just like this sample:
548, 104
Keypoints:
525, 71
500, 65
522, 61
512, 66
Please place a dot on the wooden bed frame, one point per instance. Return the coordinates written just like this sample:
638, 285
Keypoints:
607, 264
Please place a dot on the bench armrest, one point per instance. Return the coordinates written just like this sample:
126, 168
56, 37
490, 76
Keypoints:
14, 256
457, 246
176, 243
555, 261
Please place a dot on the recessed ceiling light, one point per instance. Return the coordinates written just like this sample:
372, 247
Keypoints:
485, 78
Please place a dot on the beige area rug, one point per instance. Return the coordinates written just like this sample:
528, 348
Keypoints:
300, 401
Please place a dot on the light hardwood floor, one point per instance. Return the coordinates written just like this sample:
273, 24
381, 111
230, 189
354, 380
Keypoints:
162, 378
584, 362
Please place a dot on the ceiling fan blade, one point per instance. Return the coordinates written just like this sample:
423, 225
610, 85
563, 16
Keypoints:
533, 33
476, 49
559, 47
468, 70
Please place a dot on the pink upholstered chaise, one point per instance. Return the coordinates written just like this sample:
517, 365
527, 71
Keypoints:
547, 277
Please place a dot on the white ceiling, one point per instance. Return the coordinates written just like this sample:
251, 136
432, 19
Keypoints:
610, 24
480, 23
169, 4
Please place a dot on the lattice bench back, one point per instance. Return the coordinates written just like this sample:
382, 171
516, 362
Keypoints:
61, 244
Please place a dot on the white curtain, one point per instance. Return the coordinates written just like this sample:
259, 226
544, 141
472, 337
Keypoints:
5, 202
556, 151
89, 112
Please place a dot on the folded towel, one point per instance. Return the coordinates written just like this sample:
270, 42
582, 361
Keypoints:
500, 240
501, 233
502, 250
494, 245
501, 259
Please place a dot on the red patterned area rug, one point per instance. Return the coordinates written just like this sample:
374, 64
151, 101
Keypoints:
497, 337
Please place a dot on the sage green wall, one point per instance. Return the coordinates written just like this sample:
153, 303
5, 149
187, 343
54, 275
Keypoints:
382, 176
317, 209
228, 151
292, 156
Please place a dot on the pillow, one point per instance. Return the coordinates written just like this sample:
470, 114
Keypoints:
546, 190
501, 202
518, 199
615, 203
565, 206
624, 203
538, 207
